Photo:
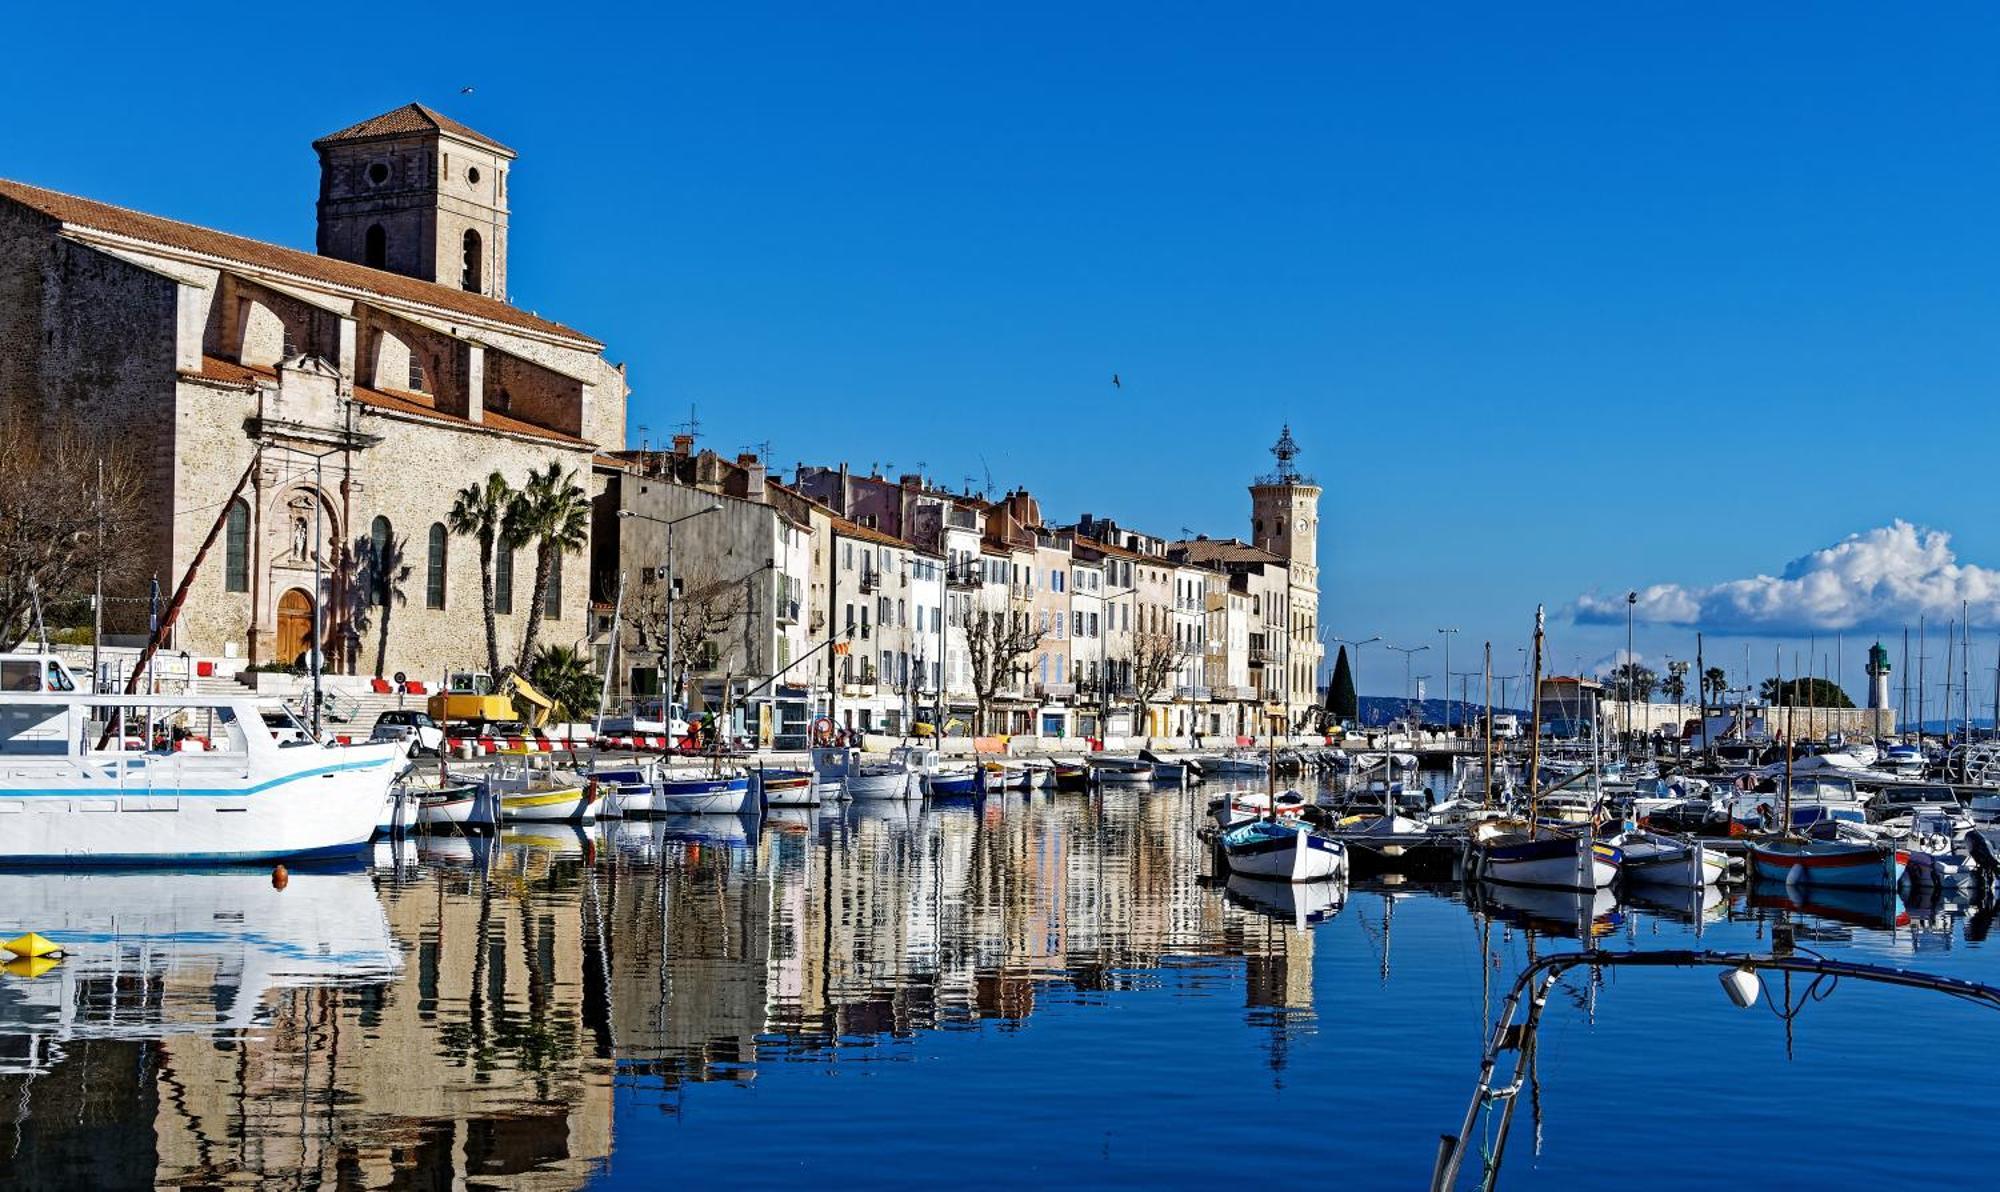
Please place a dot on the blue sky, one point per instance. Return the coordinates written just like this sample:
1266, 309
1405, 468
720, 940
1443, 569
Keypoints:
1560, 299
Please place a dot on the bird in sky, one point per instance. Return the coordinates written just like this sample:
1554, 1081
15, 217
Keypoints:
465, 90
1116, 383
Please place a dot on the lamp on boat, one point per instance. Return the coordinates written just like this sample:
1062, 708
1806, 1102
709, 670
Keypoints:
1742, 985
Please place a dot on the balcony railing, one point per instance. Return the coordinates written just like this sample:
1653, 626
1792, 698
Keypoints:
964, 577
1055, 690
871, 580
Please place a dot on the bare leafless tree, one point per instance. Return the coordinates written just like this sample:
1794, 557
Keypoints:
997, 642
1156, 658
704, 615
55, 530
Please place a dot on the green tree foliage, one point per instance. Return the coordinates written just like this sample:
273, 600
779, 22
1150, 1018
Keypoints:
1801, 693
1632, 681
1342, 701
566, 677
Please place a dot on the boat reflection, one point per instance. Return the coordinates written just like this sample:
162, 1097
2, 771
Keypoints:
1569, 914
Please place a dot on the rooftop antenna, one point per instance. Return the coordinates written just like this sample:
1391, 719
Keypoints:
987, 468
692, 427
644, 436
762, 449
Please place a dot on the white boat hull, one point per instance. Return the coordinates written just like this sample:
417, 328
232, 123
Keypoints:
900, 784
791, 794
1306, 857
200, 808
562, 806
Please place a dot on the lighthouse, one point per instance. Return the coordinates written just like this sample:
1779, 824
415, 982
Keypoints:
1878, 677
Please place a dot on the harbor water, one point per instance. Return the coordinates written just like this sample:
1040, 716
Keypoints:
1041, 988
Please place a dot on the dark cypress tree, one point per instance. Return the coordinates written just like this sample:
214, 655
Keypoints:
1341, 700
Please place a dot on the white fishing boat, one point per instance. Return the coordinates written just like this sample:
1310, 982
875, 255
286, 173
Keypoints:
788, 788
1669, 860
95, 779
894, 778
1283, 850
624, 792
449, 801
1546, 857
1121, 771
830, 764
1236, 808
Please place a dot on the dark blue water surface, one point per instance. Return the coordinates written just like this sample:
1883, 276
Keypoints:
1030, 989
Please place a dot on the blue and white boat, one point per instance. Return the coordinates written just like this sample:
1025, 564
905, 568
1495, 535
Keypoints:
684, 793
97, 779
623, 792
967, 780
1283, 850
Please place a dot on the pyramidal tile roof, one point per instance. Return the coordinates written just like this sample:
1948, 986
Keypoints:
411, 117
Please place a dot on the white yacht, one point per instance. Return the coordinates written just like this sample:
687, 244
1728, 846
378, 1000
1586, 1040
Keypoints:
96, 779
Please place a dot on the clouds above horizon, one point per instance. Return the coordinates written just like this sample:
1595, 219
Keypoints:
1879, 579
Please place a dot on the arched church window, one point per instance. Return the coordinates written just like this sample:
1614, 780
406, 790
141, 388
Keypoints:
434, 568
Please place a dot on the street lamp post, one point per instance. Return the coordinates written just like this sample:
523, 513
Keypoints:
668, 579
1447, 633
1409, 652
1354, 671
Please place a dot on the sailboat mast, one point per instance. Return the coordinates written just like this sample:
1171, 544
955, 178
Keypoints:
1779, 663
1535, 720
1486, 796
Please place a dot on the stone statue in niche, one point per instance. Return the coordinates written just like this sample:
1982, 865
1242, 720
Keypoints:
302, 511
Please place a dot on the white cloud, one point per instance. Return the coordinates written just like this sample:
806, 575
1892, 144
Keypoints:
1603, 667
1879, 579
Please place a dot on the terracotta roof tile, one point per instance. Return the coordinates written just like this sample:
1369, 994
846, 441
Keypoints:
868, 534
1224, 550
120, 221
411, 117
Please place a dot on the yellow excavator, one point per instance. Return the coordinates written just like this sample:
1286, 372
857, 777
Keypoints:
473, 699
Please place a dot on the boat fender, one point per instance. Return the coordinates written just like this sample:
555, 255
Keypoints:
590, 792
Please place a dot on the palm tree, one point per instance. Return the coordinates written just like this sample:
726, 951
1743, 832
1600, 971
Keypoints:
566, 677
551, 512
479, 512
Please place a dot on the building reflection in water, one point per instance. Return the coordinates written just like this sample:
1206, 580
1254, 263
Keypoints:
462, 1011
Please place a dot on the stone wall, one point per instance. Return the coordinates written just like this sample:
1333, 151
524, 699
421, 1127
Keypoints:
1805, 722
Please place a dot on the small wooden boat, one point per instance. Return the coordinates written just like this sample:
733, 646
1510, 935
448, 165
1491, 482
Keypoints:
1283, 850
1843, 864
788, 788
556, 804
1072, 774
1237, 808
702, 794
895, 779
967, 780
1669, 860
1121, 771
453, 803
1545, 857
624, 792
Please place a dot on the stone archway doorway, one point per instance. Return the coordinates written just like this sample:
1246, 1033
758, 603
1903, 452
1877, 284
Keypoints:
295, 620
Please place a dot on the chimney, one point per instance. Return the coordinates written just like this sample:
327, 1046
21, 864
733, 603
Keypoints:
846, 491
683, 444
753, 476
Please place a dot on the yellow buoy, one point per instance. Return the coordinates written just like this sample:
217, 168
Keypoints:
30, 945
29, 966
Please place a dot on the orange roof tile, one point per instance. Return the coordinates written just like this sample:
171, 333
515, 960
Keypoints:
868, 534
411, 117
153, 229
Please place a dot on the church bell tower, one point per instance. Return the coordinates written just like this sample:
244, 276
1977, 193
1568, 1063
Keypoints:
415, 192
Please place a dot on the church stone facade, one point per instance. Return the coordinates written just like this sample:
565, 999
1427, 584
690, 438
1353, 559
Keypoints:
316, 408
